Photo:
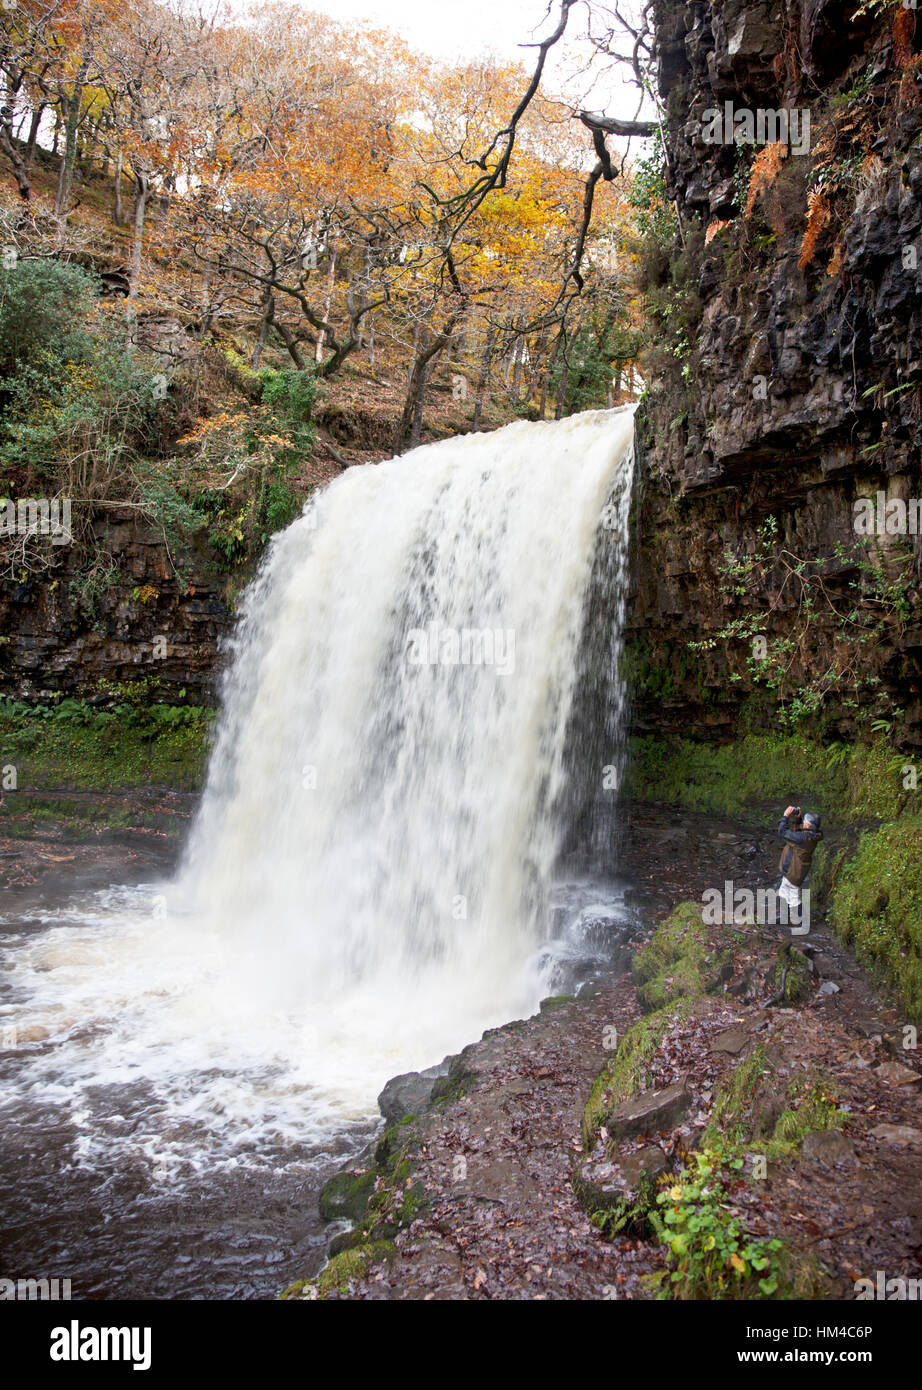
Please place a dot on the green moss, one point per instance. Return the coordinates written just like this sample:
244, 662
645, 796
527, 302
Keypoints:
750, 1108
811, 1107
828, 859
791, 975
875, 905
733, 1111
675, 962
759, 770
352, 1264
295, 1290
346, 1196
414, 1202
457, 1084
78, 746
391, 1148
382, 1201
347, 1241
679, 936
624, 1076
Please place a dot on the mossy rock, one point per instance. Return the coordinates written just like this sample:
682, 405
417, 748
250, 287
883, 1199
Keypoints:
457, 1084
393, 1145
674, 963
618, 1194
353, 1264
347, 1241
624, 1075
413, 1203
682, 980
750, 1107
791, 975
346, 1196
760, 768
875, 905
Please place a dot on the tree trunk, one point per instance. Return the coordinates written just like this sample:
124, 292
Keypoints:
66, 174
268, 315
518, 360
33, 133
483, 379
10, 147
412, 419
417, 427
118, 215
562, 386
331, 282
546, 383
137, 236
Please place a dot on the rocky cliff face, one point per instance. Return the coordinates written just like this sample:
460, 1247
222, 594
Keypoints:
787, 380
63, 634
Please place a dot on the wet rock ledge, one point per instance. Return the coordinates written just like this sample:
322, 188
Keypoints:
562, 1155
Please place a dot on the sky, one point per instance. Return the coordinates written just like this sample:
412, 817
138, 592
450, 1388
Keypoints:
452, 29
466, 29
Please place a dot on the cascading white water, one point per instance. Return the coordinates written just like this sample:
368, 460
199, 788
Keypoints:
368, 882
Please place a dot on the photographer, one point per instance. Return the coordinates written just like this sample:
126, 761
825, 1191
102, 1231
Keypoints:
801, 834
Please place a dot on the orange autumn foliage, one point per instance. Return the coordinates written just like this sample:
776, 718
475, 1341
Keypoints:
904, 27
765, 169
818, 213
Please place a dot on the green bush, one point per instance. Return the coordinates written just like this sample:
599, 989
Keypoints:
711, 1255
42, 307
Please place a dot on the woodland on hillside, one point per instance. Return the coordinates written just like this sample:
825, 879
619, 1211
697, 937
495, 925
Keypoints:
227, 235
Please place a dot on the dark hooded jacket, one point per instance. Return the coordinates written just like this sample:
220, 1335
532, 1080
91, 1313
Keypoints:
797, 852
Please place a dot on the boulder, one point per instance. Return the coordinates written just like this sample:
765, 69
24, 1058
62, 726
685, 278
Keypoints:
649, 1112
409, 1093
902, 1136
621, 1188
828, 1146
895, 1074
732, 1040
345, 1197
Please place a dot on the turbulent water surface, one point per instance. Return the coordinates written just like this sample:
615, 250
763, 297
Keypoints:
382, 867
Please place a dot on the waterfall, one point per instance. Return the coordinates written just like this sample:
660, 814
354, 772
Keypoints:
387, 795
422, 699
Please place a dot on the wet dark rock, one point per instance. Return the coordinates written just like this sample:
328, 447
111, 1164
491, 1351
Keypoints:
51, 646
345, 1197
828, 1146
410, 1093
836, 344
733, 1040
902, 1136
622, 1188
649, 1112
895, 1074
